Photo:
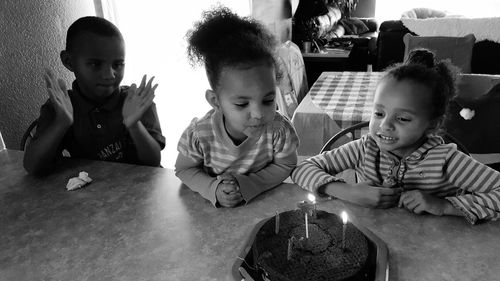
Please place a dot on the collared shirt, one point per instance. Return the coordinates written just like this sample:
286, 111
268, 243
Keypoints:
258, 163
97, 131
437, 168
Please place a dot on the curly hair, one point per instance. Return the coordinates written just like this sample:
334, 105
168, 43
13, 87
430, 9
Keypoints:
440, 77
223, 39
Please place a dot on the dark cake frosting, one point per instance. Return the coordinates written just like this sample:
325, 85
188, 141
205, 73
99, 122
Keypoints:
318, 258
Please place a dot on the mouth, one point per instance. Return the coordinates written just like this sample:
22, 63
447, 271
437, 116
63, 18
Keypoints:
386, 139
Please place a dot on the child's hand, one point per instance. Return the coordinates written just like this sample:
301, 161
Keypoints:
58, 95
138, 101
375, 196
418, 202
228, 192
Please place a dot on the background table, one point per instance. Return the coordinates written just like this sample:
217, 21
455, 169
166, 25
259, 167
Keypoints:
140, 223
336, 100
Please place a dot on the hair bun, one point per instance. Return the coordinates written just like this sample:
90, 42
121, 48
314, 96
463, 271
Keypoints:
421, 56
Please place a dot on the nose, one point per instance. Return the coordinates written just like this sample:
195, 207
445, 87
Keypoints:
257, 112
108, 72
387, 124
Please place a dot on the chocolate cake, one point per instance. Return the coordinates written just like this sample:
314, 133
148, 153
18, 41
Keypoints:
320, 257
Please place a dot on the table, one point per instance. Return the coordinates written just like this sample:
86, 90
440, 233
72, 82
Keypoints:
140, 223
336, 100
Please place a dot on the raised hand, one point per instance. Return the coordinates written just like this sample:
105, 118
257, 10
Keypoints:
138, 100
419, 202
59, 98
375, 196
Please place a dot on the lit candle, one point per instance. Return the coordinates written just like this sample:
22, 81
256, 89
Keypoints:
277, 223
307, 226
312, 198
344, 226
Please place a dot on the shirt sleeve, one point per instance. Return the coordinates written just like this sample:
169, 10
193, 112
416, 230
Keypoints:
285, 143
189, 165
480, 183
152, 124
315, 172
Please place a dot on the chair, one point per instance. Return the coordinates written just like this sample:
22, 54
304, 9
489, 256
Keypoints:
347, 135
292, 85
28, 135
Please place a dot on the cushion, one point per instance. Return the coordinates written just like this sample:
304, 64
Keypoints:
353, 26
423, 13
481, 133
457, 49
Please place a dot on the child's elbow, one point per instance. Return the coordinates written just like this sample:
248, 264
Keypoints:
36, 170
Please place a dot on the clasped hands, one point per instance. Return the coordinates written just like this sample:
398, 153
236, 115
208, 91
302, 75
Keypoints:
228, 191
415, 201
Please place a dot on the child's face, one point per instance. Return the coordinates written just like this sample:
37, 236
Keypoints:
246, 98
98, 63
401, 116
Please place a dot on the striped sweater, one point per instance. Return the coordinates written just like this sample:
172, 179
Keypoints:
258, 164
437, 168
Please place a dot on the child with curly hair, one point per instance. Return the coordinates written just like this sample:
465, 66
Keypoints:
402, 161
242, 146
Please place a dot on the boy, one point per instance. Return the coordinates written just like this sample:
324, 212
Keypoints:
97, 119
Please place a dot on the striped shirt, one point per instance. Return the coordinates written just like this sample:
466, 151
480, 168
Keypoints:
437, 168
258, 164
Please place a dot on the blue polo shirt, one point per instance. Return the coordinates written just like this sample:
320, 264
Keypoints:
98, 132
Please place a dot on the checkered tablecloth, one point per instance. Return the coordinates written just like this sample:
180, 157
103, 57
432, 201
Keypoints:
346, 97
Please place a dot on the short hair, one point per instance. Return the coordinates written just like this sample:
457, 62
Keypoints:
224, 39
91, 24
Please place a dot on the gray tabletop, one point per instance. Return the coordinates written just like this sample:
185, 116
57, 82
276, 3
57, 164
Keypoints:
140, 223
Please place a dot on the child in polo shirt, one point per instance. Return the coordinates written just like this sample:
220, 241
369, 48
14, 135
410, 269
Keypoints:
242, 147
96, 119
402, 161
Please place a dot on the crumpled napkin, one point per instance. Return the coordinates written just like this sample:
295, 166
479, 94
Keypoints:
467, 113
78, 182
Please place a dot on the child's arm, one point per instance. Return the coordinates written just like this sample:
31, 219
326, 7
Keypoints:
54, 122
139, 100
482, 199
316, 174
285, 145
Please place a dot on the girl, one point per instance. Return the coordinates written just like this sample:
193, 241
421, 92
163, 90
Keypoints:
241, 147
402, 161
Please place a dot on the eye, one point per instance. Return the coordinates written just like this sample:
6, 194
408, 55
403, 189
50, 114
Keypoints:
404, 119
118, 65
378, 114
241, 104
269, 102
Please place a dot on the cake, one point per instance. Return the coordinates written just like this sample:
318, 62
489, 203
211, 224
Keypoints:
320, 257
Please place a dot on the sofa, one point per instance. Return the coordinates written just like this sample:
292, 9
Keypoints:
391, 48
473, 117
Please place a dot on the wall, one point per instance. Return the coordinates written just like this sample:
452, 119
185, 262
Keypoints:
276, 15
365, 9
33, 34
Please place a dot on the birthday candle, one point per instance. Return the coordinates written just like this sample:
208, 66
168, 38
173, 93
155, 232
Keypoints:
344, 225
277, 223
307, 227
290, 248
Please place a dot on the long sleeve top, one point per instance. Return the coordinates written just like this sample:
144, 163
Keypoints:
436, 168
258, 163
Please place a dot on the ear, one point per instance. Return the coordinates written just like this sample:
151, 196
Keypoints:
66, 60
212, 99
435, 125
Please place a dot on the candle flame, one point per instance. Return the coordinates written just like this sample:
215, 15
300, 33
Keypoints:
344, 217
311, 197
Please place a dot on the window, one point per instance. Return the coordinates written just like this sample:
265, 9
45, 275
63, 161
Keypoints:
155, 45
